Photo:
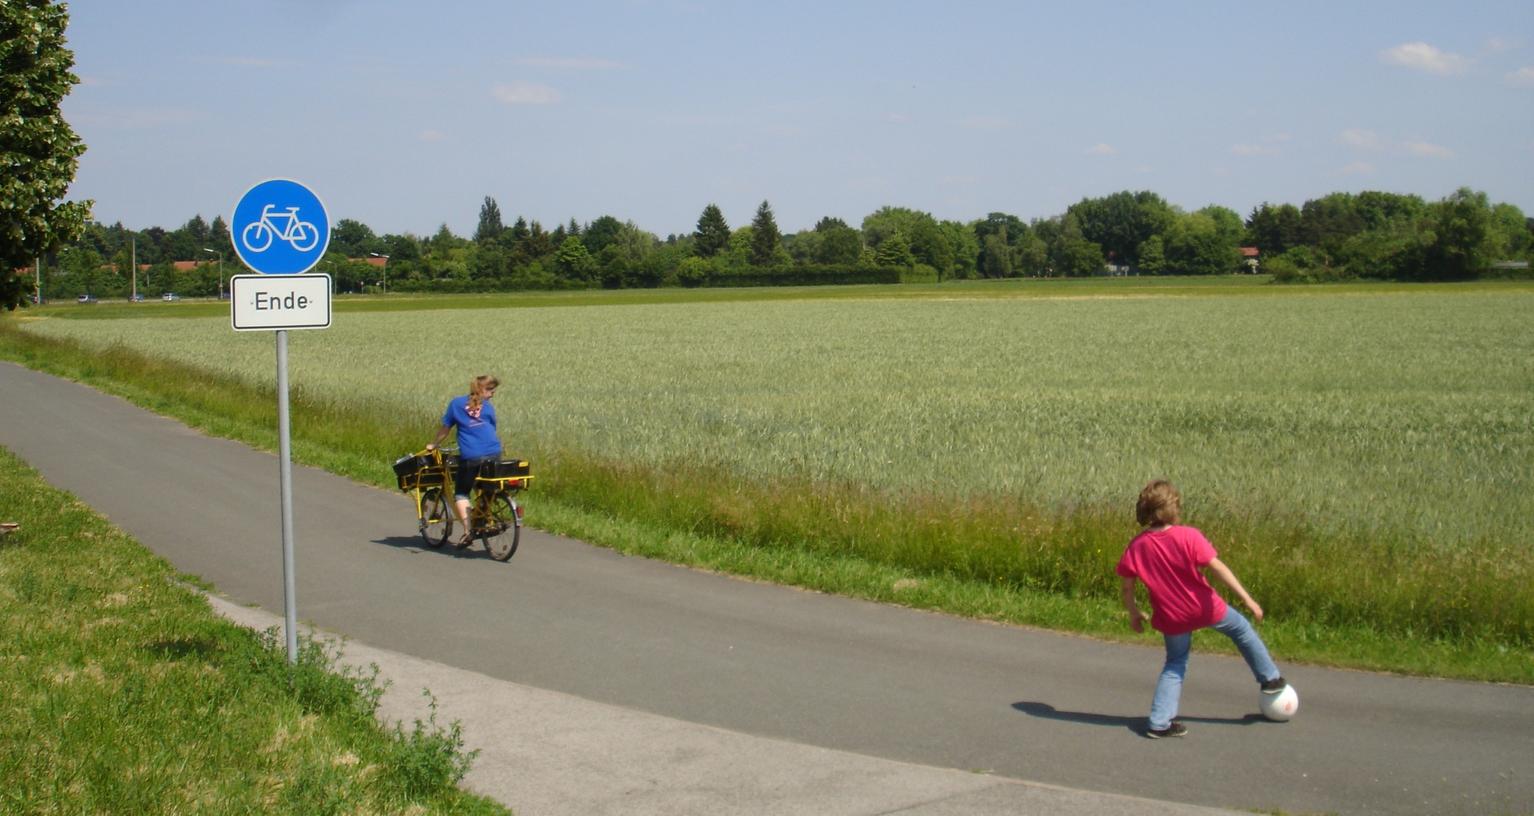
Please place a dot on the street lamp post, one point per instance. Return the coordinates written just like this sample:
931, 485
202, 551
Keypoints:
384, 284
220, 270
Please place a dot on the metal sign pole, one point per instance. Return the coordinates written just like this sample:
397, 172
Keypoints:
285, 482
280, 230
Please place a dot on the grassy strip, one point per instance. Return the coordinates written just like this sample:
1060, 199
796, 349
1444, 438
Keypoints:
122, 692
1021, 565
1222, 286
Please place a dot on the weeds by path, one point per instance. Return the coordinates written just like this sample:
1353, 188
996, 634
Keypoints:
122, 692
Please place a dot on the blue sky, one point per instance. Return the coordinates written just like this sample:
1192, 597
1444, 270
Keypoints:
406, 115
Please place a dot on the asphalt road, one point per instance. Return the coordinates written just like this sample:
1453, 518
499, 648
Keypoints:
769, 661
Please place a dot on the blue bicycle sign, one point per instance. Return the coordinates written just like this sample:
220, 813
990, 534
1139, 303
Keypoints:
279, 227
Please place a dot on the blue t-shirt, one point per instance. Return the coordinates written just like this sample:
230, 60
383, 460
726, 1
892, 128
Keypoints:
476, 437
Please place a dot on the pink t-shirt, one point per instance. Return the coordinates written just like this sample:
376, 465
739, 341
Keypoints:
1167, 562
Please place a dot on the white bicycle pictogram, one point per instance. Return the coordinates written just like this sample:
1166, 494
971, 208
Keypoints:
301, 235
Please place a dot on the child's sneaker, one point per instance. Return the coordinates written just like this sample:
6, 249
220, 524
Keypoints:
1176, 729
1274, 686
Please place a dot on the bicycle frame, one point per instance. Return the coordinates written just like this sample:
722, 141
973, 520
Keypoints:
291, 215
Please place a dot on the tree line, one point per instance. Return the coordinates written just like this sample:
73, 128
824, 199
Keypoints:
1340, 236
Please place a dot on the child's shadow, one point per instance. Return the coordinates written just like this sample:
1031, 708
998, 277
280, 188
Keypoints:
1134, 724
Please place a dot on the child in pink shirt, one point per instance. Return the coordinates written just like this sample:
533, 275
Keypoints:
1168, 559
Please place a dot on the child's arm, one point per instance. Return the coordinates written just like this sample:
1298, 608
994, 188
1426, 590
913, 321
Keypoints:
1136, 617
1223, 572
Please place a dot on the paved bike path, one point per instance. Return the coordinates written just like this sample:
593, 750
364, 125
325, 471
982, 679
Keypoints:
777, 667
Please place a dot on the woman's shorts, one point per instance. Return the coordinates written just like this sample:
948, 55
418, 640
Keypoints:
463, 480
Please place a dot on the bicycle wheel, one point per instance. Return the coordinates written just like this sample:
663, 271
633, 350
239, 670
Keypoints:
436, 522
304, 237
257, 237
502, 534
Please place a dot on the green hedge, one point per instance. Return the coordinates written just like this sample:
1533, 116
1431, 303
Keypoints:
807, 275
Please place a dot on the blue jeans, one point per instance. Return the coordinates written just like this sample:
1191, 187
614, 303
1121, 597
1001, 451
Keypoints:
1169, 687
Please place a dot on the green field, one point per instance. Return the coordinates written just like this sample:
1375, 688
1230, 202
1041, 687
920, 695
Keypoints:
1361, 455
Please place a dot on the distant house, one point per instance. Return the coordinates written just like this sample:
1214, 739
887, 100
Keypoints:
1249, 256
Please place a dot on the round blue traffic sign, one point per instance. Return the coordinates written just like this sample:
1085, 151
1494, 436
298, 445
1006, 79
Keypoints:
279, 227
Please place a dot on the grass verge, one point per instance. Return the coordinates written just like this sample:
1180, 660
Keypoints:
1018, 565
122, 692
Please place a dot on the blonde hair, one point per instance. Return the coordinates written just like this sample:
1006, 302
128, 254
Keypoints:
477, 388
1159, 503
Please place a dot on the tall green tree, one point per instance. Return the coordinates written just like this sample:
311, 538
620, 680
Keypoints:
713, 233
573, 263
353, 239
490, 224
839, 243
924, 237
895, 250
1031, 255
766, 241
39, 151
1199, 244
1121, 222
995, 256
1071, 254
1008, 226
1273, 229
601, 232
1328, 221
1465, 236
965, 247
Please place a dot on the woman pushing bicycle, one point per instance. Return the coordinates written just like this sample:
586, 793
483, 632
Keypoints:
474, 417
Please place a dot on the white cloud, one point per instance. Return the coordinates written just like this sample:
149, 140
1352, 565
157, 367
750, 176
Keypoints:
571, 63
433, 136
1360, 138
525, 93
1428, 150
1497, 45
1521, 78
1423, 57
1358, 169
1101, 149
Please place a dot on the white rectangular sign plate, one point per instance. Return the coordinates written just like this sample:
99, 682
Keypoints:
277, 302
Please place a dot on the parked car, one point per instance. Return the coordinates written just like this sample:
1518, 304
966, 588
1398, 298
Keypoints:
170, 296
135, 298
86, 299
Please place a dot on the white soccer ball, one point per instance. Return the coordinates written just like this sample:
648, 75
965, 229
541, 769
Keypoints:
1281, 706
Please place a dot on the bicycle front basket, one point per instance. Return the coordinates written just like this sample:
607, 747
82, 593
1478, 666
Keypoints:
410, 465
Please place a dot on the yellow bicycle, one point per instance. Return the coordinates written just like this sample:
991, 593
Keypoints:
495, 518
